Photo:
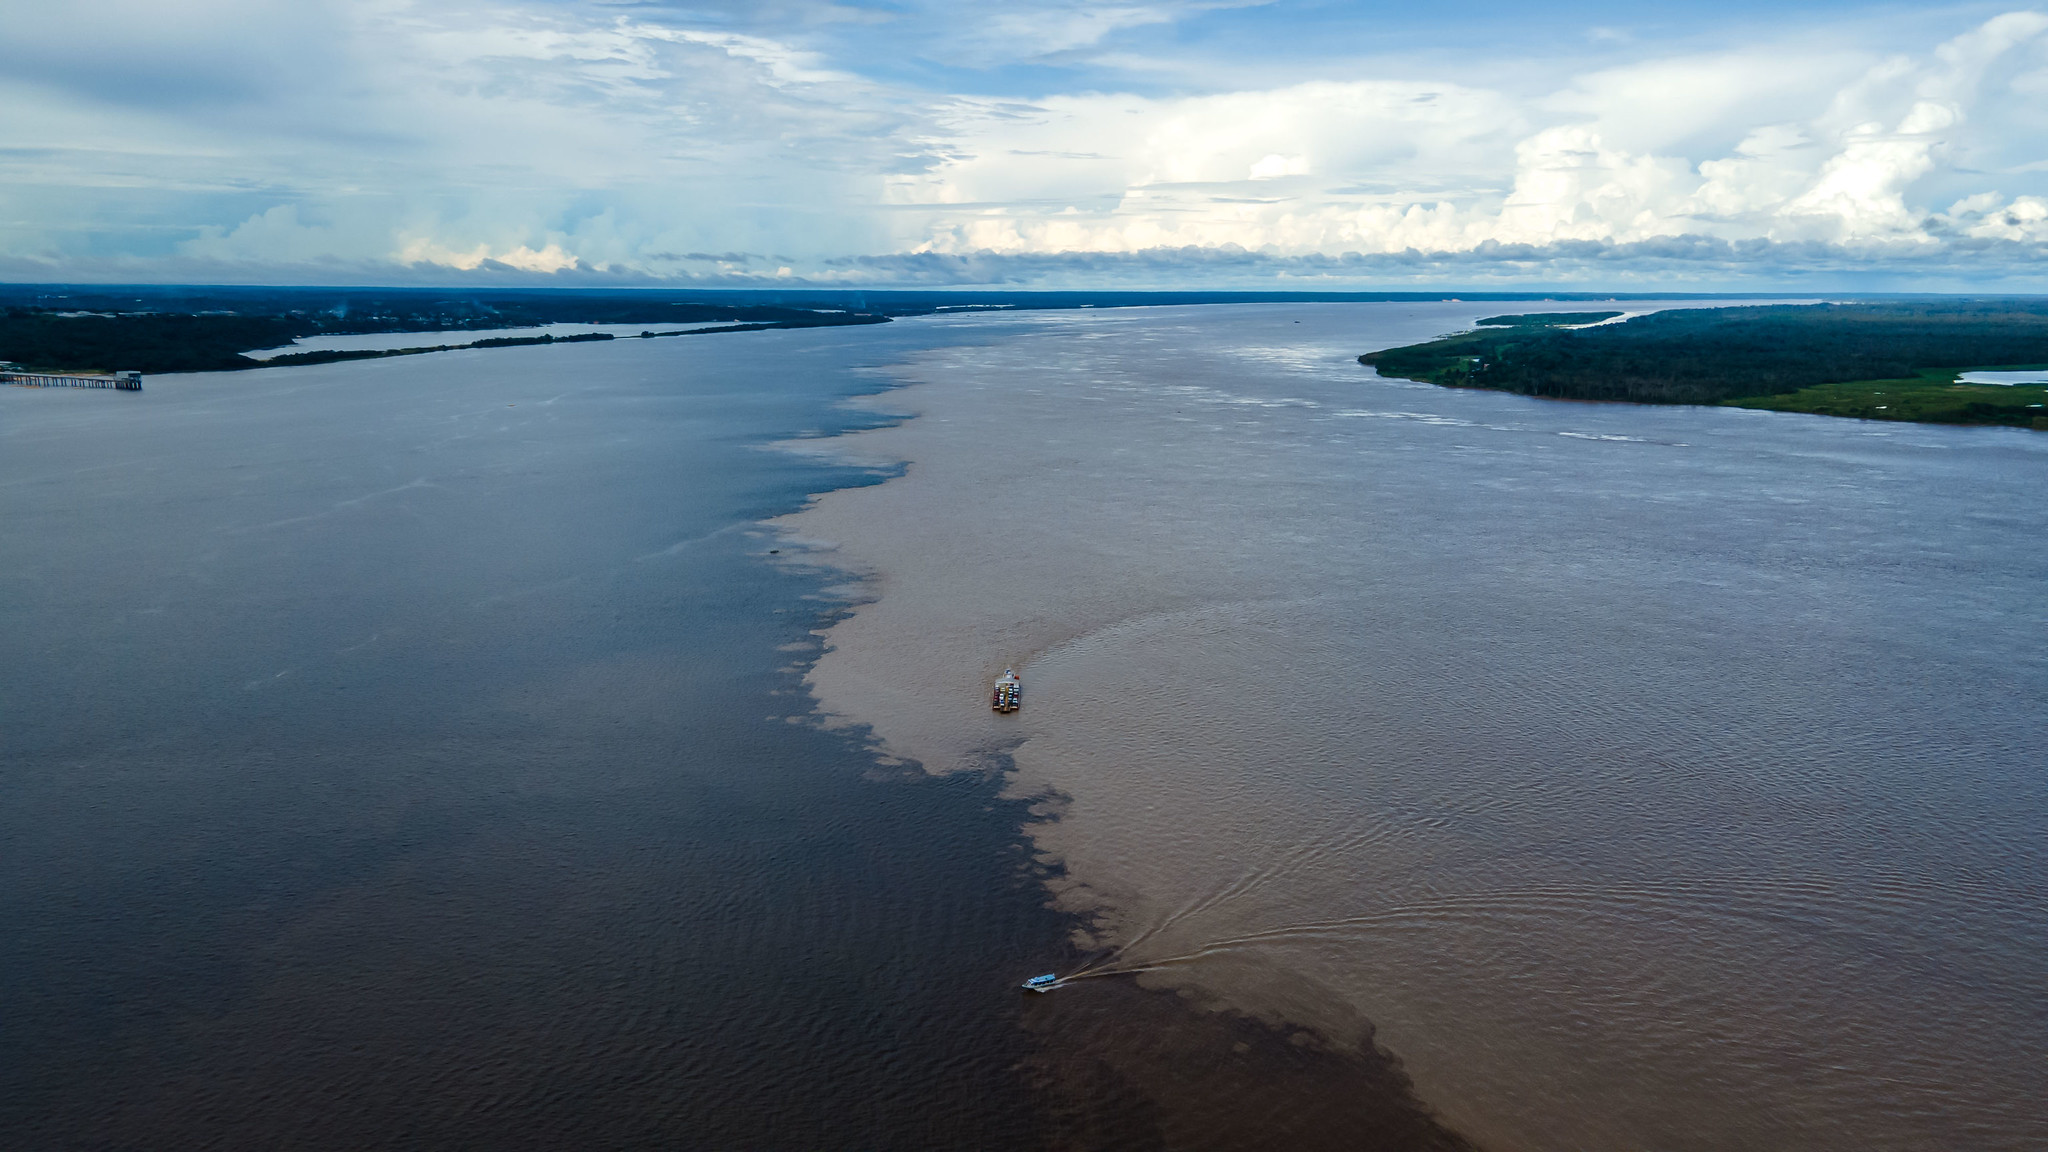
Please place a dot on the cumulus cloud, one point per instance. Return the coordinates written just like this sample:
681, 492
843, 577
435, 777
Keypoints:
418, 131
335, 138
1449, 168
1988, 216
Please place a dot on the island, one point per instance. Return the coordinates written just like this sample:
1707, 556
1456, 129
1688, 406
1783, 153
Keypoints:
1548, 320
1892, 360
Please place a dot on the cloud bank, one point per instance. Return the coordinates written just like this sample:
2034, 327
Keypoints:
1048, 144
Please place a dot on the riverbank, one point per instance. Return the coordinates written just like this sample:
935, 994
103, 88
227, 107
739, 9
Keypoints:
1883, 361
154, 342
202, 328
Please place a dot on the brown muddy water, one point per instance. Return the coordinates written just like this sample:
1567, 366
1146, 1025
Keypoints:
1638, 777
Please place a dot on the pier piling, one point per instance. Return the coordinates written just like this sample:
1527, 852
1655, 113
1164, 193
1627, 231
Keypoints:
124, 381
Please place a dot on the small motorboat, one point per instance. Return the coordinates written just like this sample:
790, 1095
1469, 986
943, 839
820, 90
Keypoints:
1045, 983
1009, 692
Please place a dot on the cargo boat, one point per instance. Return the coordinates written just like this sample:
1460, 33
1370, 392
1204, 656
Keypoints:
1009, 692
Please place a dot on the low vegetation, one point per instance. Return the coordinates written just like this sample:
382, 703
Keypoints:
1932, 397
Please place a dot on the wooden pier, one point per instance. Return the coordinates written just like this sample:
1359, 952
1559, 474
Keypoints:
125, 381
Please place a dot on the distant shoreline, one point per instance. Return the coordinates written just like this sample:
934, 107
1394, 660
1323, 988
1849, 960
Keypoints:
98, 334
1895, 361
334, 355
210, 328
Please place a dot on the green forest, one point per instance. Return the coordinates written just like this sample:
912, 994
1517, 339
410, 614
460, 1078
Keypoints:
1886, 361
1546, 319
149, 342
46, 339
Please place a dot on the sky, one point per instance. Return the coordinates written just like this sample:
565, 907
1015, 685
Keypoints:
1293, 144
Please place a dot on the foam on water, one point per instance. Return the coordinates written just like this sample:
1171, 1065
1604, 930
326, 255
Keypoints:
1645, 776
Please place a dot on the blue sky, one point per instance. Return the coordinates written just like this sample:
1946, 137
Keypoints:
1135, 143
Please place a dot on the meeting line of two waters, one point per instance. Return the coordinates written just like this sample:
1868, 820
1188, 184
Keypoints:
496, 763
398, 753
1639, 777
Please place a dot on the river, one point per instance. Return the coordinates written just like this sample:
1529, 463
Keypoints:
1638, 776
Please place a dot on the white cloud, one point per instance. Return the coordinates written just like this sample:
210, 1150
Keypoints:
785, 65
553, 137
1384, 166
1677, 103
1570, 185
1272, 166
528, 136
1987, 216
424, 250
1200, 170
1860, 192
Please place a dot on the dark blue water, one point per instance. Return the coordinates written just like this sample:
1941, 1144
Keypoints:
415, 754
395, 754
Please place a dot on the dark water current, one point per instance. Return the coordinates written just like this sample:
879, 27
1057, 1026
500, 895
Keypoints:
395, 755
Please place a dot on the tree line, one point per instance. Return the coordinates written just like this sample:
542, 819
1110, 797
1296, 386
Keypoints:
1710, 355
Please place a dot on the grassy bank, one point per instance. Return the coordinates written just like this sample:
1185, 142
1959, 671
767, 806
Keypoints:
1932, 397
